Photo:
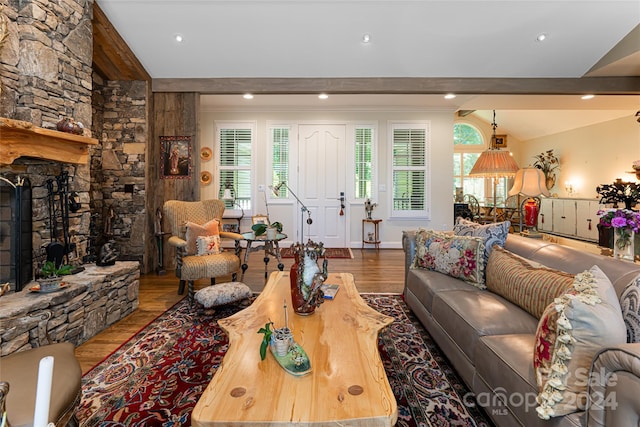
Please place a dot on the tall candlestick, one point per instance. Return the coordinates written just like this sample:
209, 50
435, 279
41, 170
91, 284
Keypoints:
43, 392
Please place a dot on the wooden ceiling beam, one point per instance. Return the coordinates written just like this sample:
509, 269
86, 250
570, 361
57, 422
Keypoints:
112, 57
402, 85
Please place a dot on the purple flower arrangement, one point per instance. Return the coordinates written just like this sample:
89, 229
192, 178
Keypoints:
624, 222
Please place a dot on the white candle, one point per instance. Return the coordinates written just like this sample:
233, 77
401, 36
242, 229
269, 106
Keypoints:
43, 392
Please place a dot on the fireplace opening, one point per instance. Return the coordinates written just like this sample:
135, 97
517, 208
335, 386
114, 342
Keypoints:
16, 264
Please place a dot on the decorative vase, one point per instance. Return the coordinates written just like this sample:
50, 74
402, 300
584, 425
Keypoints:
50, 284
272, 233
281, 340
550, 181
306, 277
623, 244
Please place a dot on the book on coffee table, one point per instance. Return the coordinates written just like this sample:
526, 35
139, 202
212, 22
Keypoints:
330, 290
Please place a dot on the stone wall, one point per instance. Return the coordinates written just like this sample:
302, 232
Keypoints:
46, 74
92, 301
45, 65
119, 179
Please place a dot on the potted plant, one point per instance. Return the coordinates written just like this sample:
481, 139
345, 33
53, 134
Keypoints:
50, 279
261, 229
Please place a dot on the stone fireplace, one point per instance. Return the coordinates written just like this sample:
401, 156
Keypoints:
16, 266
46, 74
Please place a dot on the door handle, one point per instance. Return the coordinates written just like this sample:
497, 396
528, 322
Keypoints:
341, 203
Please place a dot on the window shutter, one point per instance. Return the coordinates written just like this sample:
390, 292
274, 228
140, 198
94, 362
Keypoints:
235, 150
363, 162
410, 170
280, 149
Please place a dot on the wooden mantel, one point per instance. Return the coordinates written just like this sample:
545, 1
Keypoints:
19, 138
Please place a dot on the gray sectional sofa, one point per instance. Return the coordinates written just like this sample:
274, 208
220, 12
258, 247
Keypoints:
489, 340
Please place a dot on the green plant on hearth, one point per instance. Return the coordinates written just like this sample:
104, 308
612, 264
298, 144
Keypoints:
266, 339
260, 229
50, 271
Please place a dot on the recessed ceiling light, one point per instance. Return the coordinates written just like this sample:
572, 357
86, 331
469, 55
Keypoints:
323, 96
366, 38
450, 96
589, 96
247, 96
541, 37
179, 38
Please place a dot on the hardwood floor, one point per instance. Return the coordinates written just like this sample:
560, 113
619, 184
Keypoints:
381, 271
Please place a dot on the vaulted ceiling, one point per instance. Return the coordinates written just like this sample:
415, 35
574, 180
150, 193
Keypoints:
486, 51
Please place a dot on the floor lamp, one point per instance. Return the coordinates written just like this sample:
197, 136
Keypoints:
494, 163
531, 183
303, 208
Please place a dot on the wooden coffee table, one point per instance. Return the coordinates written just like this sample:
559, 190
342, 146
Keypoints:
347, 385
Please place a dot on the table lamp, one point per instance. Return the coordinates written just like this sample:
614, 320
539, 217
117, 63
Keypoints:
531, 183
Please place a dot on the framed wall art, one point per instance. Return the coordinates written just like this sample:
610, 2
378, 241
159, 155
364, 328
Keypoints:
259, 219
499, 141
175, 157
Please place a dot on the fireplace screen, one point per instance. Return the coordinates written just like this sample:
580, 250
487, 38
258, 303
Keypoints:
16, 265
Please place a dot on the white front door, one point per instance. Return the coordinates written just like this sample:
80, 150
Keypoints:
321, 180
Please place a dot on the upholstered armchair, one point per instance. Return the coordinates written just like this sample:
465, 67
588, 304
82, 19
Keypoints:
198, 254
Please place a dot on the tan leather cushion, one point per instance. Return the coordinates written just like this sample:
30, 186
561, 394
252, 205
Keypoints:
466, 316
20, 370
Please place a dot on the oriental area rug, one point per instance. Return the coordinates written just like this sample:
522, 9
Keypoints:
156, 377
328, 253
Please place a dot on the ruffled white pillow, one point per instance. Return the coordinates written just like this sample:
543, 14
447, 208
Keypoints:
570, 332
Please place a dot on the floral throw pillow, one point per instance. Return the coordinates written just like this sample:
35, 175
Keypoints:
630, 302
193, 230
458, 256
208, 245
493, 234
570, 332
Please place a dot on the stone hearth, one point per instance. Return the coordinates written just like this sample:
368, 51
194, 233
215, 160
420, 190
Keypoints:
93, 300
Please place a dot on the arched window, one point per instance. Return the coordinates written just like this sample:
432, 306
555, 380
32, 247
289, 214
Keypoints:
468, 144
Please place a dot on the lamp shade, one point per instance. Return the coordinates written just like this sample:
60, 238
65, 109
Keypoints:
530, 182
227, 194
494, 163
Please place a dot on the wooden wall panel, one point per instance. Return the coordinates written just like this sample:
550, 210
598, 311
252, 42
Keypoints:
173, 114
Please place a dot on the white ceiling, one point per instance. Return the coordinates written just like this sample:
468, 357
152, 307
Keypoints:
409, 38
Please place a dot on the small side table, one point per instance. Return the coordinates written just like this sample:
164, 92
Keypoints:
270, 247
372, 238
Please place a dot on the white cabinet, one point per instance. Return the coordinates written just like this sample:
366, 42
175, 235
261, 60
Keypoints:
569, 217
545, 216
587, 219
564, 216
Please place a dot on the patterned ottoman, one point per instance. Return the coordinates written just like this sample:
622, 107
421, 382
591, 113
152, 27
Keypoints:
224, 293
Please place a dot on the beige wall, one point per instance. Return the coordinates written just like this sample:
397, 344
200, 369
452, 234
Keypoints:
589, 156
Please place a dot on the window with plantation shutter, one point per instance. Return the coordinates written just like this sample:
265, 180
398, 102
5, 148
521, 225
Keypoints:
234, 143
410, 170
363, 162
280, 150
